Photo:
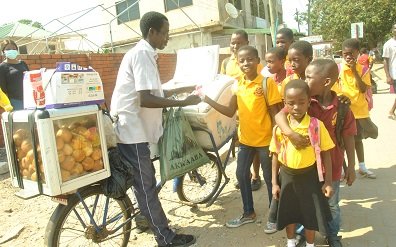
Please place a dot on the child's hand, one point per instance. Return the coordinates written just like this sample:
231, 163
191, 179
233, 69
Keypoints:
327, 190
344, 99
350, 176
275, 191
299, 141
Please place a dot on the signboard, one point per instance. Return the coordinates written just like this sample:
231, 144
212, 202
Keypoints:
313, 39
357, 30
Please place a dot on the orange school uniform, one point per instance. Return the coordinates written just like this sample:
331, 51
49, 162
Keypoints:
255, 128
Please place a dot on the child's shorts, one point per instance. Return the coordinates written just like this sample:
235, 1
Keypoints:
366, 129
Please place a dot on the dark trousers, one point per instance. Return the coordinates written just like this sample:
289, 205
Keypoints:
144, 186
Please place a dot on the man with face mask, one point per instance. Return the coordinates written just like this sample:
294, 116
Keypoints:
11, 74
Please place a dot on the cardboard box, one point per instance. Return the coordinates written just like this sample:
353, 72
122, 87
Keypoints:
67, 85
68, 145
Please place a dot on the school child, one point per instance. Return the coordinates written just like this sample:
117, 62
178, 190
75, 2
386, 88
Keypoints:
275, 59
300, 55
284, 38
321, 74
230, 67
354, 81
254, 129
300, 193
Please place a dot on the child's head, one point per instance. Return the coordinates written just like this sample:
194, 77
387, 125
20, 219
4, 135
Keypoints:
284, 38
238, 39
363, 50
297, 98
300, 55
275, 59
350, 50
320, 75
155, 28
248, 60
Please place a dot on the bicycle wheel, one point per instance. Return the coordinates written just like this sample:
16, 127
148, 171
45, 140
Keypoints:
72, 226
198, 186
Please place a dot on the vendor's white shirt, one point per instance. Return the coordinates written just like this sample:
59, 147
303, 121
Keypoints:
390, 53
138, 71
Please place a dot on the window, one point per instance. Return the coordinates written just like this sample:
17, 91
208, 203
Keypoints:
22, 49
236, 3
174, 4
132, 13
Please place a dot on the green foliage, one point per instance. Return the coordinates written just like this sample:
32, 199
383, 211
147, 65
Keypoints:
31, 23
333, 18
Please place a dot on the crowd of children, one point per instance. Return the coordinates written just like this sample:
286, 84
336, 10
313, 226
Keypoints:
321, 112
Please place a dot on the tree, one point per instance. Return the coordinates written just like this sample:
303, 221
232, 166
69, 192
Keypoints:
31, 23
333, 18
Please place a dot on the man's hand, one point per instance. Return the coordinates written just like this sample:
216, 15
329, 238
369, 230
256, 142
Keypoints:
350, 176
191, 100
299, 141
327, 190
344, 99
275, 191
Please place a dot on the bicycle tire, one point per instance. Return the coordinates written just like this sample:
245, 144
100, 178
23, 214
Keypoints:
65, 225
189, 189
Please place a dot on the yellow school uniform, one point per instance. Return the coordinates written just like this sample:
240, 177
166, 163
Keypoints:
285, 81
347, 85
255, 127
300, 158
232, 68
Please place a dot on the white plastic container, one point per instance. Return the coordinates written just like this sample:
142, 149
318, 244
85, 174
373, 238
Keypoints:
203, 72
70, 148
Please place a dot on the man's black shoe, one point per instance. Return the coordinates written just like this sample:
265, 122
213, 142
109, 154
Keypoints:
181, 240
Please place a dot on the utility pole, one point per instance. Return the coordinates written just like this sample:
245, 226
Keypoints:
309, 18
273, 17
298, 20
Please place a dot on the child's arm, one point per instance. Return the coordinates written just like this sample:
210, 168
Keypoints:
349, 144
275, 172
273, 110
229, 110
326, 161
179, 90
359, 82
296, 139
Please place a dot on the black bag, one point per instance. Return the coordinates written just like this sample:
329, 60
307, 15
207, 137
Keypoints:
121, 177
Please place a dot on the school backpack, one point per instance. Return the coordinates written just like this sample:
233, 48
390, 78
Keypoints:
369, 92
314, 138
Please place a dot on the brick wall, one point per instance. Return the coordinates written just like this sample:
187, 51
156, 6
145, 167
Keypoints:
105, 64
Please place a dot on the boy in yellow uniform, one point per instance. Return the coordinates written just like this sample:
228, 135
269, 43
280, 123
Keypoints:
353, 83
284, 38
300, 194
230, 67
255, 129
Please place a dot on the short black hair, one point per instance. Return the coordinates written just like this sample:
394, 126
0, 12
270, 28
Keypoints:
303, 46
287, 33
279, 52
326, 68
151, 19
242, 33
351, 43
249, 49
298, 84
8, 42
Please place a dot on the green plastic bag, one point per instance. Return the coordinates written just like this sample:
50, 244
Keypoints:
179, 150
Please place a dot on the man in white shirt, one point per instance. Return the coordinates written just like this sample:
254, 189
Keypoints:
137, 103
389, 55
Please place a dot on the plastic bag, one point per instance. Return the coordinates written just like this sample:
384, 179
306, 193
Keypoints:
179, 150
121, 177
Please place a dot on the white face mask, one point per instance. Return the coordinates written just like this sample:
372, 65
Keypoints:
11, 54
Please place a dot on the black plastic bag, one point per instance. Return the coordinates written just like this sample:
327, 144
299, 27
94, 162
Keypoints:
121, 177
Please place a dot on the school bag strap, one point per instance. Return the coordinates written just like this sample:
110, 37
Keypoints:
314, 138
264, 86
342, 109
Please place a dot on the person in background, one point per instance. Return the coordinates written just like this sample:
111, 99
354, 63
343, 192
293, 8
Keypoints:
284, 38
295, 182
389, 55
137, 104
353, 83
275, 59
11, 74
364, 58
230, 67
255, 128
